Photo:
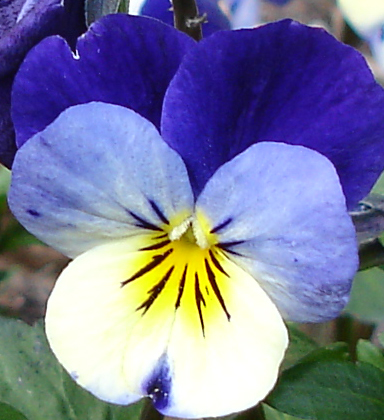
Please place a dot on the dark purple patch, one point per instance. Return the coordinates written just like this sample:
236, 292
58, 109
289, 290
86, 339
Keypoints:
158, 387
33, 213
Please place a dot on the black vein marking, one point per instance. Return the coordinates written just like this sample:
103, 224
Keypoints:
227, 245
157, 260
164, 235
158, 245
181, 287
217, 264
221, 225
144, 223
155, 291
215, 288
158, 212
199, 300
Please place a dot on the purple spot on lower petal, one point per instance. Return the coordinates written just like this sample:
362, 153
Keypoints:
74, 376
158, 386
33, 213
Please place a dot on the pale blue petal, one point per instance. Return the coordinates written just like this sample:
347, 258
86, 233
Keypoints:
278, 210
98, 172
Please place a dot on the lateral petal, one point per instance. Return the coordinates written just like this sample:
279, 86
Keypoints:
106, 174
279, 212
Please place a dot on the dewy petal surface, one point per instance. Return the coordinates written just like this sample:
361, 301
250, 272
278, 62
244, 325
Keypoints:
281, 82
279, 212
106, 173
125, 328
123, 60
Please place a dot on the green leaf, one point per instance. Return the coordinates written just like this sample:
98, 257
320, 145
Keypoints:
303, 349
299, 346
30, 378
17, 237
331, 390
371, 254
333, 352
272, 414
367, 352
366, 302
95, 9
368, 218
378, 188
9, 413
381, 239
33, 382
5, 179
85, 406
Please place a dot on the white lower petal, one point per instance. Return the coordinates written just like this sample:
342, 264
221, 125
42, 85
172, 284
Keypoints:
199, 341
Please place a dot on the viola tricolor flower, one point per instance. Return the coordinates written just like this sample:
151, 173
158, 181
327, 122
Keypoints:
202, 190
23, 23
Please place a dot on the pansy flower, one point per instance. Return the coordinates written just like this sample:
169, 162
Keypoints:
202, 190
23, 23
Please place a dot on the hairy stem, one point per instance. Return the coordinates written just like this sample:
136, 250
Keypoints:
187, 19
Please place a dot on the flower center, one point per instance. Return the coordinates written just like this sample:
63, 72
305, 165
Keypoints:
182, 268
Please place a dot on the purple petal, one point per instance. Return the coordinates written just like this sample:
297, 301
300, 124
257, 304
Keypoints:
18, 37
9, 11
283, 82
7, 135
22, 25
162, 10
123, 60
278, 211
107, 174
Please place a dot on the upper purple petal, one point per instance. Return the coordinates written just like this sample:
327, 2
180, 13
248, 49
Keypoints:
22, 25
283, 82
7, 134
162, 10
123, 60
18, 37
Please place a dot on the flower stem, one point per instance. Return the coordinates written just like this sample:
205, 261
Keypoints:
187, 19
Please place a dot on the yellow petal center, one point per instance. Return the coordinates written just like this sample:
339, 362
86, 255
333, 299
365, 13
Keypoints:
182, 266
